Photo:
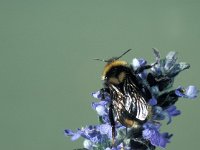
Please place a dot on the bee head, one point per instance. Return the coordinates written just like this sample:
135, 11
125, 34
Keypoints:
110, 68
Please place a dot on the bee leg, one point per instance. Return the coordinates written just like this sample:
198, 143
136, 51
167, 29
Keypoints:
112, 122
142, 68
103, 92
161, 81
151, 80
147, 92
170, 98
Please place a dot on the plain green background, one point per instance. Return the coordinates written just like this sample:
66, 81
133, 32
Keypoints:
47, 72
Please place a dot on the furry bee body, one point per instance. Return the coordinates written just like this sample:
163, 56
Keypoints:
128, 101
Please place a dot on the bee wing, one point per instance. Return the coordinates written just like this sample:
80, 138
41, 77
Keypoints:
118, 98
119, 101
135, 102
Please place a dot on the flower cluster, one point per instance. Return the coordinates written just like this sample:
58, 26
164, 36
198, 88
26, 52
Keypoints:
147, 136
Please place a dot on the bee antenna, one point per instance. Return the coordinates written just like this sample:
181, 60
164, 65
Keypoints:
112, 59
100, 59
123, 54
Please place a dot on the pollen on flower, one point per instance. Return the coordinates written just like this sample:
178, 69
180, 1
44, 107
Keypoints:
118, 111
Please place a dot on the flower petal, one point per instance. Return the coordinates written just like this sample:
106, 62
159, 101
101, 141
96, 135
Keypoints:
69, 132
97, 94
75, 136
190, 92
137, 63
164, 139
170, 60
171, 111
106, 129
87, 144
177, 68
151, 133
156, 53
101, 110
158, 113
152, 101
101, 103
120, 146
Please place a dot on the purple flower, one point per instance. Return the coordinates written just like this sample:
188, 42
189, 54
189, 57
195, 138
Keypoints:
152, 101
101, 110
156, 70
93, 134
74, 135
88, 133
155, 90
158, 113
151, 133
105, 129
100, 107
87, 144
161, 106
168, 66
164, 139
172, 112
177, 68
97, 94
120, 146
101, 96
137, 63
190, 92
170, 60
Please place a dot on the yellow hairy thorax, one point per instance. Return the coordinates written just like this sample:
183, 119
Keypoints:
111, 65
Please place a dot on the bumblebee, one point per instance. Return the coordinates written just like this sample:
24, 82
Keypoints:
129, 99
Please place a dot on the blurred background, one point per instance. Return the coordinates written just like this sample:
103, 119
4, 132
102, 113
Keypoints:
47, 73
